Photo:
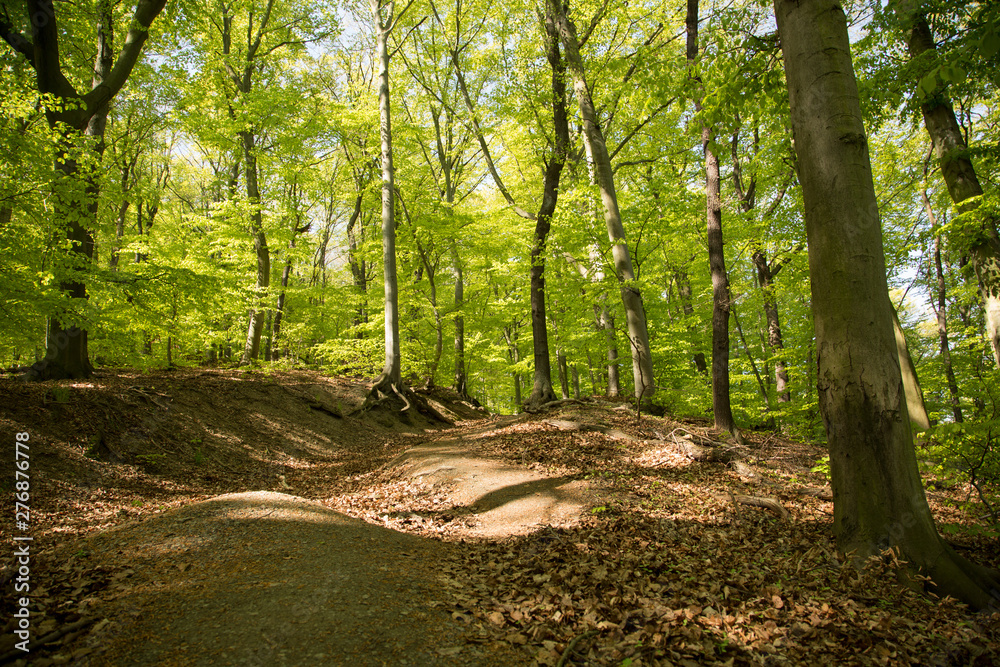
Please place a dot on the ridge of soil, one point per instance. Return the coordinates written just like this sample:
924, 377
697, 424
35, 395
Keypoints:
236, 517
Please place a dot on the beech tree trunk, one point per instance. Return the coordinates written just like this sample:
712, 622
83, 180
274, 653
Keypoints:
251, 349
911, 384
635, 313
941, 311
765, 278
687, 307
392, 371
721, 406
461, 384
541, 391
66, 353
879, 500
959, 175
606, 321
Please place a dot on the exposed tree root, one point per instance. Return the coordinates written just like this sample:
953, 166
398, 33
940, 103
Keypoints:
530, 406
384, 389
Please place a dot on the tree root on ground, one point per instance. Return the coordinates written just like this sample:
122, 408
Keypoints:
384, 389
550, 405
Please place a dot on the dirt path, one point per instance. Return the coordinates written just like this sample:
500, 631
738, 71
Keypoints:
498, 499
265, 578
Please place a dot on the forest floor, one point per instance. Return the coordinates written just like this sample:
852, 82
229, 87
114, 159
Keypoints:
215, 517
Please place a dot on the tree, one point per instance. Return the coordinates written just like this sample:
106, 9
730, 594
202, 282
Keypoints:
952, 153
879, 500
635, 313
75, 115
721, 406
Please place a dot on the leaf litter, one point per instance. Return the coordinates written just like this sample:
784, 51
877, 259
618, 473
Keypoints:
668, 568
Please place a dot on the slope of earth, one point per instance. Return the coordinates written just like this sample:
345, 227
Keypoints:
581, 535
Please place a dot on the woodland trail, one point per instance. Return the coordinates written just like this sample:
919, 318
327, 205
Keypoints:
264, 578
270, 579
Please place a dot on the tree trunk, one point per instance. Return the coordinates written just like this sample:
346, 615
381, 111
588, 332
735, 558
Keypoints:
775, 344
879, 500
911, 385
358, 268
392, 372
684, 292
635, 314
541, 391
279, 311
941, 310
606, 322
563, 375
251, 350
960, 176
721, 408
460, 384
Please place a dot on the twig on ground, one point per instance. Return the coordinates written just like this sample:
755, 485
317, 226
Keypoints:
572, 646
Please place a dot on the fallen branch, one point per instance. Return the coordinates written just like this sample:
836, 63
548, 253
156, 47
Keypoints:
572, 646
824, 493
712, 454
566, 425
769, 504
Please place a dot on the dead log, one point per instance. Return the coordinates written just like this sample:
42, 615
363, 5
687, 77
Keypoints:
566, 425
824, 493
769, 504
710, 454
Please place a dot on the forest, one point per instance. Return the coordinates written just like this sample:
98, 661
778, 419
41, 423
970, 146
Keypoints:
780, 217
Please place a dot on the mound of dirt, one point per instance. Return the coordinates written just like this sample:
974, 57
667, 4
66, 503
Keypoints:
126, 444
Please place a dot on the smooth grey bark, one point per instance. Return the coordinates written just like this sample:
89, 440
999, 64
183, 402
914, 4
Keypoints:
635, 314
915, 407
542, 390
687, 307
941, 313
606, 322
879, 500
66, 353
721, 406
460, 384
392, 371
959, 174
